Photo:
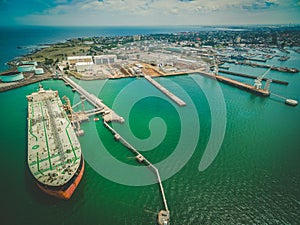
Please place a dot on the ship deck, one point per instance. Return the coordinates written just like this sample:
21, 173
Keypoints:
54, 151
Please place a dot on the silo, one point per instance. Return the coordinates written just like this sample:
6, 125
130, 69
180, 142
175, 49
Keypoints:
26, 68
39, 71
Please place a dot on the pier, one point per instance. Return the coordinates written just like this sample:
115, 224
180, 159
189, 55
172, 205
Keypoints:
107, 113
169, 94
280, 69
256, 59
163, 215
237, 84
243, 86
253, 77
109, 116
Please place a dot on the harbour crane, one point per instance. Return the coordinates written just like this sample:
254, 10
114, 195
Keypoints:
258, 83
216, 65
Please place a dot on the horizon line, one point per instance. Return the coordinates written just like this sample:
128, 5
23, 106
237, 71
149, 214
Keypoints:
163, 25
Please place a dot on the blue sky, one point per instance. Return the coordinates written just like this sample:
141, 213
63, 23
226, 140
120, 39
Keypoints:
148, 12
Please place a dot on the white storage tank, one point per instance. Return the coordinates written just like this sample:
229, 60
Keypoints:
11, 76
39, 71
26, 68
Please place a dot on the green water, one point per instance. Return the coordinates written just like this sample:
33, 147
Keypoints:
255, 178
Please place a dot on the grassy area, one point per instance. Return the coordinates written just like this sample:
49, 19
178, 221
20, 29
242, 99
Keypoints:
75, 74
59, 52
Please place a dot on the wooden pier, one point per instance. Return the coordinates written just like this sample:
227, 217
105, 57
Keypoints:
107, 113
169, 94
163, 215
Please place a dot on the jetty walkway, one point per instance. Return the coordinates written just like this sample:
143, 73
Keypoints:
169, 94
108, 114
163, 215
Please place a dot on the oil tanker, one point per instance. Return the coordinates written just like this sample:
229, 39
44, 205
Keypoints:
54, 153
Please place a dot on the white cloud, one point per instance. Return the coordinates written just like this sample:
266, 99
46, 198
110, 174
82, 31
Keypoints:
155, 12
164, 7
60, 1
132, 6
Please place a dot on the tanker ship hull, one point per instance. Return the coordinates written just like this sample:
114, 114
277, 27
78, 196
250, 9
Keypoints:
54, 152
66, 191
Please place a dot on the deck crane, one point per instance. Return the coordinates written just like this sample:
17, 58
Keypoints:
257, 81
71, 116
68, 107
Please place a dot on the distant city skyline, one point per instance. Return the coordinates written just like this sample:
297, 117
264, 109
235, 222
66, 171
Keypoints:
148, 12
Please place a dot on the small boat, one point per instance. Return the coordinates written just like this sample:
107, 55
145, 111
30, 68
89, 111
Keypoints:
224, 67
283, 58
291, 102
96, 119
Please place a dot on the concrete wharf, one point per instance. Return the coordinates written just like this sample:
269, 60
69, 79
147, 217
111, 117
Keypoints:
280, 69
169, 94
250, 76
108, 114
144, 160
187, 72
243, 86
237, 84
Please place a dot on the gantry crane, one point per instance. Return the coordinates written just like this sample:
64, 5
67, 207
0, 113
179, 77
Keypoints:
257, 81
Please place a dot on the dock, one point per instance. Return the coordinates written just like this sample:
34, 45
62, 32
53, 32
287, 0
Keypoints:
108, 114
253, 77
225, 80
165, 91
243, 86
256, 59
238, 84
280, 69
163, 215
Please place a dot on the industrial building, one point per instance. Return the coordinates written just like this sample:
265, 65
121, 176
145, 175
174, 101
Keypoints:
72, 60
105, 59
29, 63
83, 66
11, 76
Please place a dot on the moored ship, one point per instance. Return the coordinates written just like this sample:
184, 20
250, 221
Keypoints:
54, 152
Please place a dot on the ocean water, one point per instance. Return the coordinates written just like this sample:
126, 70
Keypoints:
254, 179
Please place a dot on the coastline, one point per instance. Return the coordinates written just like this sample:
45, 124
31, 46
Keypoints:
155, 53
257, 158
